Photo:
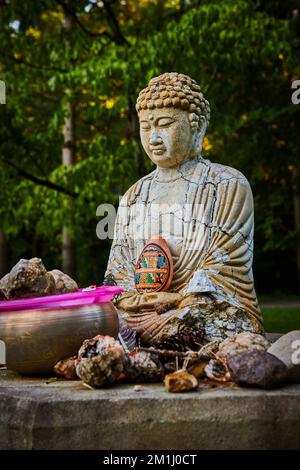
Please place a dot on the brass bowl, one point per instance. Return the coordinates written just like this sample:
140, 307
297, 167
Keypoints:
36, 340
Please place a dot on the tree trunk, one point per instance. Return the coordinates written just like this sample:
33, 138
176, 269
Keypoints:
68, 159
296, 200
3, 255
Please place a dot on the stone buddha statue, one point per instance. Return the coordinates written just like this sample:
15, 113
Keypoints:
203, 211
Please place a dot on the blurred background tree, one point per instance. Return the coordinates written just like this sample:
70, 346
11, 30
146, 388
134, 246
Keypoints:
69, 137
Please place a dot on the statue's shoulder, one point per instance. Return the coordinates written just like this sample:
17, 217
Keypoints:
226, 174
136, 189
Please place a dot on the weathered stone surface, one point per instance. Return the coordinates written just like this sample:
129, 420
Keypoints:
257, 369
63, 282
287, 349
35, 414
28, 278
241, 343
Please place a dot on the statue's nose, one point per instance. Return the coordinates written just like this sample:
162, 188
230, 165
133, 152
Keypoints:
155, 139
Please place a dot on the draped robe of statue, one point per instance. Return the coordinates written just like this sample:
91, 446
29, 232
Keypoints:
204, 211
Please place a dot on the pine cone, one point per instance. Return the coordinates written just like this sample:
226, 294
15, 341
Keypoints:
143, 367
100, 361
187, 339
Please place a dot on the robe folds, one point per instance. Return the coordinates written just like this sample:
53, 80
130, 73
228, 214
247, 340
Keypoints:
204, 211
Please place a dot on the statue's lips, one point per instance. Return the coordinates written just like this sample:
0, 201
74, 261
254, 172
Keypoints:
158, 150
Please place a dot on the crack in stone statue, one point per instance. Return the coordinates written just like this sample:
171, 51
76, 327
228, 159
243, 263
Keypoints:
210, 236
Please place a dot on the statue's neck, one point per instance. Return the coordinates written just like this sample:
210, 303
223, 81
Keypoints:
170, 174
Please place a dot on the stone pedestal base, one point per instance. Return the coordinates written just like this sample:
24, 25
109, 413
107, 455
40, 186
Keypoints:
66, 415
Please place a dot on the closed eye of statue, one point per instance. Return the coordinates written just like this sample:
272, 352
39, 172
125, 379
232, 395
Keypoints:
165, 122
145, 126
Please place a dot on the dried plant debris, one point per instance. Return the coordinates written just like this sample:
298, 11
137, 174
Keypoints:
180, 381
100, 361
66, 368
51, 380
197, 368
84, 384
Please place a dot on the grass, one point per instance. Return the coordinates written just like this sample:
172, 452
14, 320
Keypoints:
278, 297
281, 319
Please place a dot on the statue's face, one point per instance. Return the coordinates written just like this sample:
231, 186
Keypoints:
166, 135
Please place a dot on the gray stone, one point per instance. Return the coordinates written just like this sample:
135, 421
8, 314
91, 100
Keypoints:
63, 282
287, 349
28, 278
257, 369
44, 414
241, 343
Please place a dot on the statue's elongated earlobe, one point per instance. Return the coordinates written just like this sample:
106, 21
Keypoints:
198, 137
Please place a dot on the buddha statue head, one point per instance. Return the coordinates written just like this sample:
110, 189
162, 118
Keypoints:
173, 115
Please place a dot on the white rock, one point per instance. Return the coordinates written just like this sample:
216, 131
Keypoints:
287, 349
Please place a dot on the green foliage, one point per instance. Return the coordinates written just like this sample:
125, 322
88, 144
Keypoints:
244, 54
